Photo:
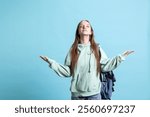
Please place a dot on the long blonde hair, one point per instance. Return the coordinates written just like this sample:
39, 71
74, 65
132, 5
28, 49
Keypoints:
74, 49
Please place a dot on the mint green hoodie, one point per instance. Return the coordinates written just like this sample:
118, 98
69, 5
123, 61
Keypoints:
85, 81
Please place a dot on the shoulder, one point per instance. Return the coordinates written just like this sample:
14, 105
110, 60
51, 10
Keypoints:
100, 48
104, 56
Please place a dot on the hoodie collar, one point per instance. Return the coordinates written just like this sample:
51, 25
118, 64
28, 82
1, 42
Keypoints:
81, 46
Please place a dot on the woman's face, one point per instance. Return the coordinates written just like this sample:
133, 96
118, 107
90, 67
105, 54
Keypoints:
84, 28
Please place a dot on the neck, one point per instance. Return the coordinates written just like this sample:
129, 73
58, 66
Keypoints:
85, 39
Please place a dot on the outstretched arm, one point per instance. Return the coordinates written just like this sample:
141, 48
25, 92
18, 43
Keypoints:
61, 70
108, 64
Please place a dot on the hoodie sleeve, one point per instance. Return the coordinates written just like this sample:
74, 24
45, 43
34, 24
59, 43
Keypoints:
109, 64
61, 70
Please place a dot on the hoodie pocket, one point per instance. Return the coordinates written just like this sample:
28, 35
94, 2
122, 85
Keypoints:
93, 85
82, 83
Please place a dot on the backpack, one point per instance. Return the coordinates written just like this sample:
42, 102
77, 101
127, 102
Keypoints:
107, 85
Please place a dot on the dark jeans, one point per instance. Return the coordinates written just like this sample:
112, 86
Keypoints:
92, 97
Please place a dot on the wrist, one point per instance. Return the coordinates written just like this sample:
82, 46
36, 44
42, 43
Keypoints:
50, 61
123, 57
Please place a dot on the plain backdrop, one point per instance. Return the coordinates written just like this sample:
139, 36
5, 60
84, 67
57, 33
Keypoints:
29, 28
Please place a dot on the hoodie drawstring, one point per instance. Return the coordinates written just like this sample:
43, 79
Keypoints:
90, 63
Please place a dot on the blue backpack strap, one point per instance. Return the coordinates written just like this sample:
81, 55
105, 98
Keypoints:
107, 85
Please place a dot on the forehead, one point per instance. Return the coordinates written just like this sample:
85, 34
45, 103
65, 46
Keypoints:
84, 23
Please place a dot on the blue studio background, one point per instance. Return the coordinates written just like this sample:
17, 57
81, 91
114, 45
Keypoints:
29, 28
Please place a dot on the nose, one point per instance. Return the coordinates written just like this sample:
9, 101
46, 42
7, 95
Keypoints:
83, 26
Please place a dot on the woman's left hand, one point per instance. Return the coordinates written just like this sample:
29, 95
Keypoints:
126, 53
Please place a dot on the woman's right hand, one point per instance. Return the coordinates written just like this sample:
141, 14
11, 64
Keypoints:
46, 59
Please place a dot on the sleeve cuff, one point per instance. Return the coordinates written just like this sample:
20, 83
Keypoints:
50, 62
122, 57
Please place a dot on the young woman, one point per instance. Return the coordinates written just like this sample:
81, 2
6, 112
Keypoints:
84, 62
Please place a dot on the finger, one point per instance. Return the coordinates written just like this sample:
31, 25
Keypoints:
129, 52
42, 57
